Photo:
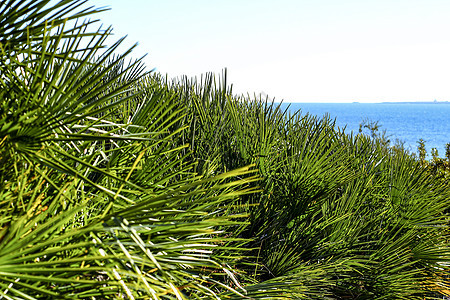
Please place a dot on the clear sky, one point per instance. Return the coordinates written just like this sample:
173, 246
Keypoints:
297, 50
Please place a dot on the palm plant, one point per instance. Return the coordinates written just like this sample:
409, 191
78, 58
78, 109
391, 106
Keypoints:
338, 216
117, 183
96, 201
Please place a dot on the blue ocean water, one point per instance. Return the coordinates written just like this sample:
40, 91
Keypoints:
406, 122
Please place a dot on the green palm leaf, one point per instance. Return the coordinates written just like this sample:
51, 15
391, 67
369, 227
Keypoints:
97, 200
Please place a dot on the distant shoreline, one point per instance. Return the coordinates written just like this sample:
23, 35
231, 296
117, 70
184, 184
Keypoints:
421, 102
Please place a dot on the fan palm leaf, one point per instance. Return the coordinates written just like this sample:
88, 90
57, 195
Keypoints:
97, 200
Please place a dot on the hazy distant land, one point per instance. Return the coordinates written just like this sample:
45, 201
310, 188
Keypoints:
419, 102
412, 102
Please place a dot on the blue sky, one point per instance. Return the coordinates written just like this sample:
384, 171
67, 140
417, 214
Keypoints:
297, 50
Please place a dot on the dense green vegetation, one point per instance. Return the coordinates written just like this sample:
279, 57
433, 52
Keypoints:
117, 183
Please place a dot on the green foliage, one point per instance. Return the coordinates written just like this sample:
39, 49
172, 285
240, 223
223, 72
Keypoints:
447, 151
422, 150
116, 183
437, 167
338, 216
373, 127
96, 199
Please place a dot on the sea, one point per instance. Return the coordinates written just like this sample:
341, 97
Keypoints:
405, 122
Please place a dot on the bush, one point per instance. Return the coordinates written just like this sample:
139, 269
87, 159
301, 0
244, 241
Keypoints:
119, 183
